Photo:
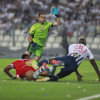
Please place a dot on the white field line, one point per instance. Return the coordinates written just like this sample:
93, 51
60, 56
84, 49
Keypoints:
90, 97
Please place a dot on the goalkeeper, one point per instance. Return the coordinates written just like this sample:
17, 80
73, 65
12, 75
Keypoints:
38, 34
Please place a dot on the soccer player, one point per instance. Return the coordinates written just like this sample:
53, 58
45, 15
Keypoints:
77, 53
38, 34
24, 69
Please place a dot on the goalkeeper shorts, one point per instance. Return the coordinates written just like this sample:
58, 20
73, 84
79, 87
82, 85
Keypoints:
37, 51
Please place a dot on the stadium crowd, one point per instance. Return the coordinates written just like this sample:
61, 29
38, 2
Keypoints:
83, 15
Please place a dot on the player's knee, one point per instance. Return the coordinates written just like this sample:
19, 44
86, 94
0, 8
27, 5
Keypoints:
36, 58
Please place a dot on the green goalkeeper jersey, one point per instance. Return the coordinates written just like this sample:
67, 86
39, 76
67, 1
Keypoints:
40, 32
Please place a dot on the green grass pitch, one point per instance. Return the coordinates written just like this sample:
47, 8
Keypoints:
67, 88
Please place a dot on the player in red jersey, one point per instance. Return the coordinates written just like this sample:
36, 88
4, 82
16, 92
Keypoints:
24, 69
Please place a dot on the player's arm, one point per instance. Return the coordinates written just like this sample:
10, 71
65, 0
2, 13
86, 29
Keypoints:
31, 34
29, 38
57, 22
95, 67
79, 77
7, 69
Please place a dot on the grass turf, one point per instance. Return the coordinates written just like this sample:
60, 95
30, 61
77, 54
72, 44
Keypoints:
67, 88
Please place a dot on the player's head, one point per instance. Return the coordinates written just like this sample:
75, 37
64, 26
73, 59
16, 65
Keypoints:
82, 40
42, 17
25, 56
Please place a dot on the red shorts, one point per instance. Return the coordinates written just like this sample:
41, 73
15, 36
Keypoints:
24, 70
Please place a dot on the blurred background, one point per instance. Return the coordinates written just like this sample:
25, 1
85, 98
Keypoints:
78, 18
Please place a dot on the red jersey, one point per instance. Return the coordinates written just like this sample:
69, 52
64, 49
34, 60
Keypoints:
22, 66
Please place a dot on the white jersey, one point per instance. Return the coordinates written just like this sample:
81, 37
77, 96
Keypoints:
80, 52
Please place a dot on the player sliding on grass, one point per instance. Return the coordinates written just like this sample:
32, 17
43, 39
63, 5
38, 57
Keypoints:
38, 34
77, 53
25, 69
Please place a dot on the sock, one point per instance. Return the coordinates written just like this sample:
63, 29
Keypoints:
43, 61
37, 73
34, 62
52, 70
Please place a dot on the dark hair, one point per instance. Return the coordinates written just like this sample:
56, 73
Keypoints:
82, 40
24, 56
41, 13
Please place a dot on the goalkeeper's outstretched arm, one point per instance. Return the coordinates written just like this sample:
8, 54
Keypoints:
57, 22
56, 13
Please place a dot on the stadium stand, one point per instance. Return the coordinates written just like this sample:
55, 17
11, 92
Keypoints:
81, 17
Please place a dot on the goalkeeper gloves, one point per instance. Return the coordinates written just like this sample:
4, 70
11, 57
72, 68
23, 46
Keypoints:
35, 45
55, 11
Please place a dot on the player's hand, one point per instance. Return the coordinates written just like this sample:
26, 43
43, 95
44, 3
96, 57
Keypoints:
79, 77
54, 11
35, 45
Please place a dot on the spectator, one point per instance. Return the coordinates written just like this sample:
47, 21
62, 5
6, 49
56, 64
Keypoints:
24, 4
91, 29
97, 29
70, 29
8, 27
2, 27
82, 31
82, 11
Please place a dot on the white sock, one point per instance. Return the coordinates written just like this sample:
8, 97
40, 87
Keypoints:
37, 73
52, 70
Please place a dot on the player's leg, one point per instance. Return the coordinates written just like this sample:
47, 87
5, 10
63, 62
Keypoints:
28, 53
36, 59
29, 73
49, 71
40, 63
45, 74
66, 71
33, 75
37, 54
40, 71
54, 61
63, 73
57, 61
70, 66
